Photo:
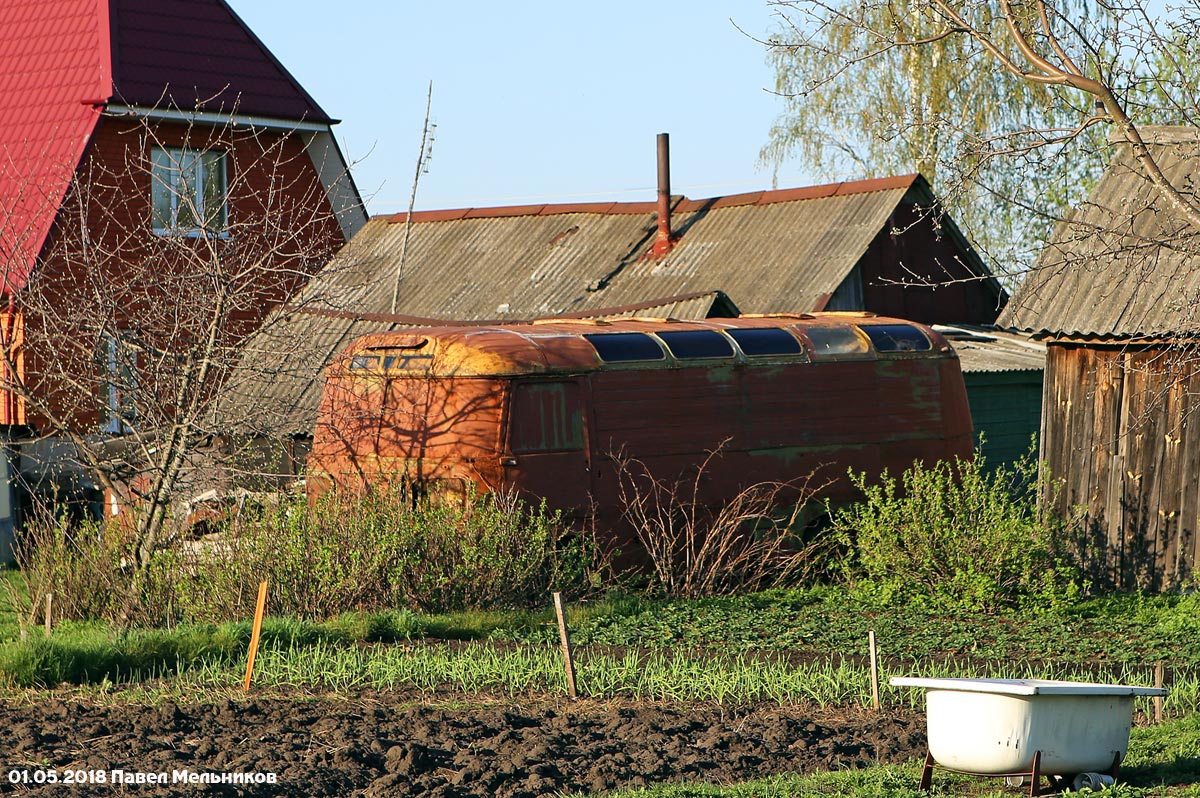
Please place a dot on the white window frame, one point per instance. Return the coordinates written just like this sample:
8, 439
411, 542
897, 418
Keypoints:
119, 382
173, 189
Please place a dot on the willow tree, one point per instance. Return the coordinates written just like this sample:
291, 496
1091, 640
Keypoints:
1006, 106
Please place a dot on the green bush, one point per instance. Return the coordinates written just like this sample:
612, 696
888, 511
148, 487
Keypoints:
375, 552
83, 566
955, 535
363, 555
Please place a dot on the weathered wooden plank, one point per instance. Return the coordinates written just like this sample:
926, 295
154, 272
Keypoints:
1171, 493
1189, 478
1107, 458
1118, 431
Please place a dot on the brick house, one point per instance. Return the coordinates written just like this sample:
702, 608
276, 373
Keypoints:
128, 155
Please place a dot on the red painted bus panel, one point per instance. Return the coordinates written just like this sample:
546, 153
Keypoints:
535, 408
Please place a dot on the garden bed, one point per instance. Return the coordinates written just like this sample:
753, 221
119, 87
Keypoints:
395, 743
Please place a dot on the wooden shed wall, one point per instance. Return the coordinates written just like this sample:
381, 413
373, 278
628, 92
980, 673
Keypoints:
1119, 435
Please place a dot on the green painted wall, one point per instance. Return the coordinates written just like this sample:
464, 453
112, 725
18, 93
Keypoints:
1006, 407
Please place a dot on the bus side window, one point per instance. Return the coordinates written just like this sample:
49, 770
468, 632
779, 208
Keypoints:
546, 417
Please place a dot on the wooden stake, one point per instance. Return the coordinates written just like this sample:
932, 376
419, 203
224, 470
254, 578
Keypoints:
49, 612
874, 670
254, 635
1158, 700
564, 634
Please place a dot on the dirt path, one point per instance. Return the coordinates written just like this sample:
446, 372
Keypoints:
385, 744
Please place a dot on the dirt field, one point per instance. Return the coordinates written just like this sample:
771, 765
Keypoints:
384, 744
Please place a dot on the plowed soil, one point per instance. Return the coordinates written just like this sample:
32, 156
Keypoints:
395, 744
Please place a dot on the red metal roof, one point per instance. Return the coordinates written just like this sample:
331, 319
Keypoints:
54, 73
63, 61
202, 54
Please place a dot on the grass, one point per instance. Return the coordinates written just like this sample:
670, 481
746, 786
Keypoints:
676, 676
1167, 755
802, 645
522, 669
300, 656
817, 621
877, 782
9, 628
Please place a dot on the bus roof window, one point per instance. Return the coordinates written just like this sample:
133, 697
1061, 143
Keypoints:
688, 344
618, 347
897, 338
836, 341
766, 341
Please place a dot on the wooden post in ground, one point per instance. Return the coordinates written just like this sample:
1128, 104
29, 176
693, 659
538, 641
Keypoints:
259, 609
874, 670
564, 635
49, 614
1158, 700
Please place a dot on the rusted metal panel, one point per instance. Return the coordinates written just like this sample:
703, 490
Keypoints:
407, 433
536, 408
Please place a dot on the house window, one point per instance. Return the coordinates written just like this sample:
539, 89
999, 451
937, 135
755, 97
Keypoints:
188, 191
118, 383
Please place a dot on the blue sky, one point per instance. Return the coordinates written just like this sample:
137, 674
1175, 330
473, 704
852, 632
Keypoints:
535, 101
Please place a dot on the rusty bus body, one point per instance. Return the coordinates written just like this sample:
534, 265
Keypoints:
550, 409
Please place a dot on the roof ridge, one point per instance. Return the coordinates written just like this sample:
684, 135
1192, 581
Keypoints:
682, 203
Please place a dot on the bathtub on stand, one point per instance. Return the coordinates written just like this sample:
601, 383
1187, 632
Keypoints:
1027, 728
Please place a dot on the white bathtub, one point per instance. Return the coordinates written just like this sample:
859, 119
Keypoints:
995, 726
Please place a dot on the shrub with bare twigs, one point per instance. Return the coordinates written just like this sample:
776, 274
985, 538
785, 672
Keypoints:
697, 547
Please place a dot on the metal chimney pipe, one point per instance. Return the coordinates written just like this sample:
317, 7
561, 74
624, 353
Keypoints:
663, 239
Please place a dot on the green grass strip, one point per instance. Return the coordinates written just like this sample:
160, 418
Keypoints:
683, 676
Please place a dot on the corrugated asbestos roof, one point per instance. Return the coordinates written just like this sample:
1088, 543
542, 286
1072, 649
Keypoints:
989, 349
549, 259
698, 305
773, 251
1123, 265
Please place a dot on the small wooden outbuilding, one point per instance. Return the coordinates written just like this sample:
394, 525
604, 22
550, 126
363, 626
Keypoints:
1115, 296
